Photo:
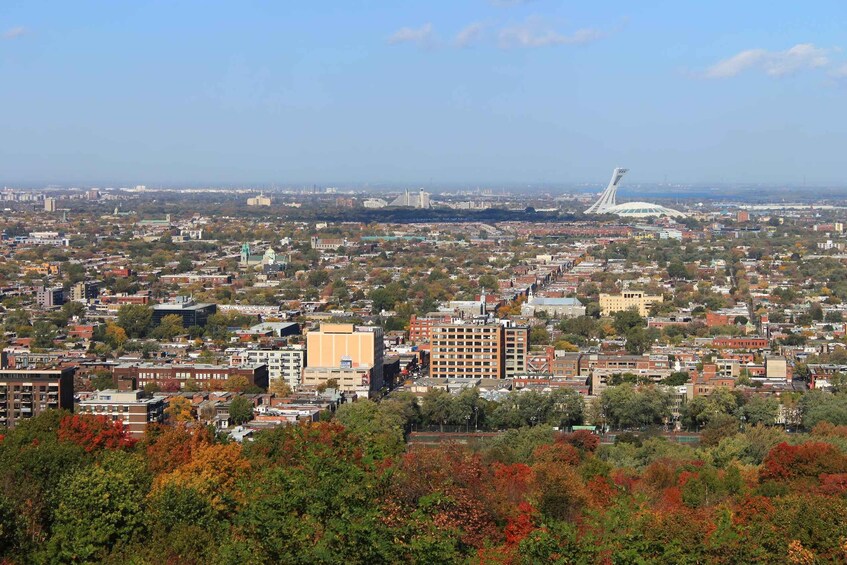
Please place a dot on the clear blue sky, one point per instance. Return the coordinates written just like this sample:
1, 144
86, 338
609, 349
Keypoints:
477, 91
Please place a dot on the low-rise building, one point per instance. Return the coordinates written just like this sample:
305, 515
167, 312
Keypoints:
627, 300
131, 407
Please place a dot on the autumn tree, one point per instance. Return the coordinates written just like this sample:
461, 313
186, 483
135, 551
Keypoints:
179, 410
95, 432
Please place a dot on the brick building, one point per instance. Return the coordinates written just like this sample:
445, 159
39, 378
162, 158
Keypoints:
131, 376
26, 393
130, 407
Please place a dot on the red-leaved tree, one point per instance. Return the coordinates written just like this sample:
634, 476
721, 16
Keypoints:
95, 432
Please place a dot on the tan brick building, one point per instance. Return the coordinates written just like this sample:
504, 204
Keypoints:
611, 303
130, 407
487, 351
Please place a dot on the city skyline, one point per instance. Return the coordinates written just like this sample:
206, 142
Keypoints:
486, 92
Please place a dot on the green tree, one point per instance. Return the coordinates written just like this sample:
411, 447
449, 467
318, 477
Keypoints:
761, 410
626, 320
135, 319
240, 410
43, 334
637, 341
625, 406
169, 327
381, 431
539, 336
676, 270
677, 378
99, 506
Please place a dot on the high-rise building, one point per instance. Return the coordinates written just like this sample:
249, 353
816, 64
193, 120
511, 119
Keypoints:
49, 204
467, 350
515, 351
353, 355
26, 393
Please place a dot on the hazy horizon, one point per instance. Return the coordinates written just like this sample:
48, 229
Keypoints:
482, 92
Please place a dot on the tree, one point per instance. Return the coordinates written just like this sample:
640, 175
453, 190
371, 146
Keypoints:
102, 380
240, 410
99, 506
637, 341
214, 471
381, 432
625, 320
539, 336
761, 410
489, 282
135, 319
816, 311
236, 383
436, 407
95, 433
43, 334
170, 327
676, 270
625, 406
179, 410
677, 378
280, 387
115, 335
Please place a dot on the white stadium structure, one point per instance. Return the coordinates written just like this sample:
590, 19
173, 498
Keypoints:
606, 204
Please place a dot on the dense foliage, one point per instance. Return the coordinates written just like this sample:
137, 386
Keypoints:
76, 489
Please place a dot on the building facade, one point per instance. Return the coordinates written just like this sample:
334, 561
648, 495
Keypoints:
286, 363
26, 393
631, 299
49, 297
192, 313
347, 346
466, 350
132, 376
515, 351
130, 407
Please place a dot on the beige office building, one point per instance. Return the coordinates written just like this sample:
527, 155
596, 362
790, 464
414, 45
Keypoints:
346, 346
611, 303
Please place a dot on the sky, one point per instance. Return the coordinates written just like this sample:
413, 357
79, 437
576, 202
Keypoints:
476, 92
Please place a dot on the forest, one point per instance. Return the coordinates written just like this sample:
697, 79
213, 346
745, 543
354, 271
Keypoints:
79, 489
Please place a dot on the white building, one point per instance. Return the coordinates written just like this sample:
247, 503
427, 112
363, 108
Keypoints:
286, 363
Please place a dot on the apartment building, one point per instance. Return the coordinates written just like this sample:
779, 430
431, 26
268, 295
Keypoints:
515, 351
85, 290
26, 393
131, 376
286, 363
630, 299
131, 407
420, 329
49, 297
468, 350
